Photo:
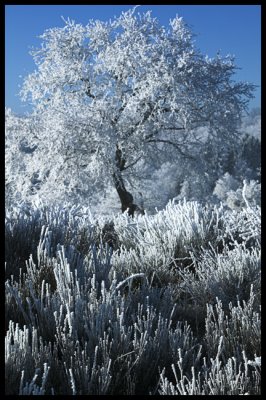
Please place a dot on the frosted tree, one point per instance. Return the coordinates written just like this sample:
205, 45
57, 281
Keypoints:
19, 131
111, 96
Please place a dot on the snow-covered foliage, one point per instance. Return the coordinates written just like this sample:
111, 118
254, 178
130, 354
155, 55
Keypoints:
236, 196
131, 83
161, 304
18, 155
204, 179
251, 123
164, 302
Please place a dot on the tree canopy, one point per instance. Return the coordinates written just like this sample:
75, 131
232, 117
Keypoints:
111, 97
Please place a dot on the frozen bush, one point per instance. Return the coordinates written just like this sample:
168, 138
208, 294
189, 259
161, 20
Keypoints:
230, 342
229, 379
240, 328
108, 305
227, 275
224, 185
154, 243
235, 195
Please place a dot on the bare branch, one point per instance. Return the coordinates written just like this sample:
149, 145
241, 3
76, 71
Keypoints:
172, 144
133, 163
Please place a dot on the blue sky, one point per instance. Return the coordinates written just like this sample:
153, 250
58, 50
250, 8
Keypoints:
231, 29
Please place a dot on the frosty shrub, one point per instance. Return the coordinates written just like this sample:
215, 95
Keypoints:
27, 222
227, 275
236, 195
224, 185
226, 368
160, 304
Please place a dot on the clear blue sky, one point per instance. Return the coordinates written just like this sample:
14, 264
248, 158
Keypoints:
233, 29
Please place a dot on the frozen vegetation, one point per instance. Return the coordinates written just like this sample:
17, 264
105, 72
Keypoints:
163, 298
162, 304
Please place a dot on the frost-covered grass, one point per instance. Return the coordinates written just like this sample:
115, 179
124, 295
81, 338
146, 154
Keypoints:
162, 304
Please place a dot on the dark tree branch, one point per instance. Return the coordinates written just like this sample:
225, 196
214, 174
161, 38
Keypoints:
125, 197
133, 163
88, 88
172, 144
119, 159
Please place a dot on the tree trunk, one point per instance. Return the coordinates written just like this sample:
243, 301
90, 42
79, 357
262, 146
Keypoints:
125, 197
